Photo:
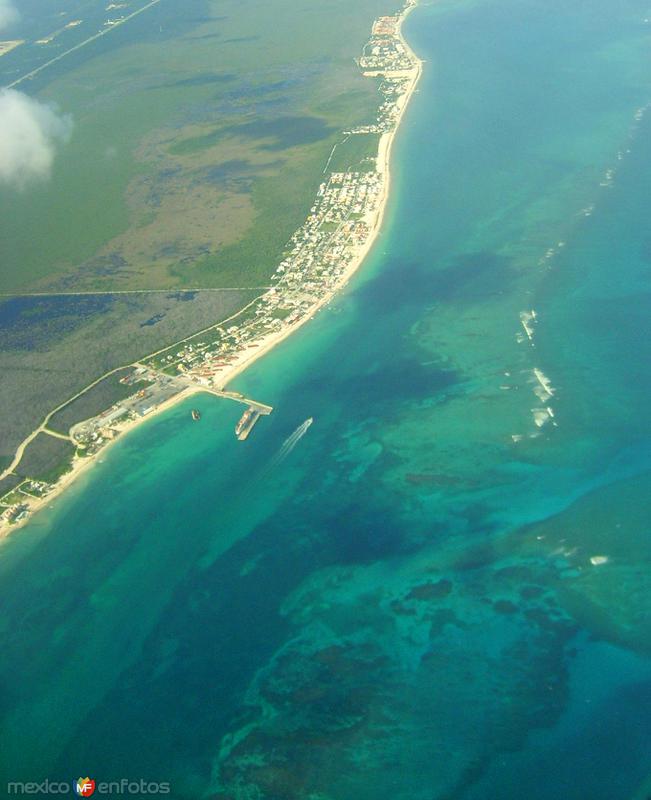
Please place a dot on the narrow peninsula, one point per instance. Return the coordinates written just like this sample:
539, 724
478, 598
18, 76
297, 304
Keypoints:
320, 258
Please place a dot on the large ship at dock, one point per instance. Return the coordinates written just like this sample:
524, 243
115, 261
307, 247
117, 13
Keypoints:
246, 423
244, 419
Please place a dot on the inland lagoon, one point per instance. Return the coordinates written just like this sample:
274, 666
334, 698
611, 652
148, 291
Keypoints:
440, 588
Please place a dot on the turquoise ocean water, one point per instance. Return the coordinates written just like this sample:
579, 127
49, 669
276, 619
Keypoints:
439, 591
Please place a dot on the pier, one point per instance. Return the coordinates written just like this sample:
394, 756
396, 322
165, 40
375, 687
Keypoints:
261, 408
254, 410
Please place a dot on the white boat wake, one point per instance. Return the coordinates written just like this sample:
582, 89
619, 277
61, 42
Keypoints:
291, 441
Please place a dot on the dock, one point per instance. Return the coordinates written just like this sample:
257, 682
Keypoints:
261, 408
254, 410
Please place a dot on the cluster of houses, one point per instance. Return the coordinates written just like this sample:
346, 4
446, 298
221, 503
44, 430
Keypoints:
385, 51
14, 505
318, 254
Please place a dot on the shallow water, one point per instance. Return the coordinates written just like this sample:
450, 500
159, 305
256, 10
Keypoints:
403, 602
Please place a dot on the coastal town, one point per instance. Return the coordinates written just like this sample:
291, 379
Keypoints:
322, 254
320, 257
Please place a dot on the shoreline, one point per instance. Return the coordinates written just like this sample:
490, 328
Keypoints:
81, 464
383, 167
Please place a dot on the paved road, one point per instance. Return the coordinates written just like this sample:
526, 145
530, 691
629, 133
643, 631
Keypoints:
136, 291
101, 33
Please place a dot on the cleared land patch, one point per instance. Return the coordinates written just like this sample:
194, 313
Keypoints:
94, 401
356, 152
8, 46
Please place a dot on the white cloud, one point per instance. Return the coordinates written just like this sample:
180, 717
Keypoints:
29, 134
8, 13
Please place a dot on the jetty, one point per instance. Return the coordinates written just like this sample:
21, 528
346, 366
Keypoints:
261, 408
254, 410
